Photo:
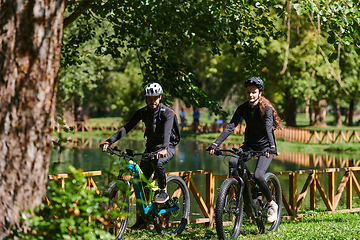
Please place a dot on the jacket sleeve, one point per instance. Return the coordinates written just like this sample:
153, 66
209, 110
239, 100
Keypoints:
231, 126
168, 124
269, 122
127, 128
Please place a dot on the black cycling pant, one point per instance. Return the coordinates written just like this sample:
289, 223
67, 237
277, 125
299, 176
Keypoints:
149, 166
259, 173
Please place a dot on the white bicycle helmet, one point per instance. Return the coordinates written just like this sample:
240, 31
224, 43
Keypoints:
153, 89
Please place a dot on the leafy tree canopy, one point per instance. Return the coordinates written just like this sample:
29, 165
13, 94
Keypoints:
340, 20
165, 36
161, 32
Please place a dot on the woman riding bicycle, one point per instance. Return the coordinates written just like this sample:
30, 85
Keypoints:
261, 119
158, 119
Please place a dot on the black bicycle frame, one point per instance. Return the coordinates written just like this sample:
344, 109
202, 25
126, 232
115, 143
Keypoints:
251, 209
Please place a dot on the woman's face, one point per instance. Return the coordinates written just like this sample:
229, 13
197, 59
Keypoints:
252, 94
153, 102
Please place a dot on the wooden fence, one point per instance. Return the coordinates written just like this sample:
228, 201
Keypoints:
292, 201
333, 137
288, 133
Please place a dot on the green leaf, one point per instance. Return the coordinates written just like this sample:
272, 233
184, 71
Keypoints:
357, 50
331, 39
332, 57
300, 9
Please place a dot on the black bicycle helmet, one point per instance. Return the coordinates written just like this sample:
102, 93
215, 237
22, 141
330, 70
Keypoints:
255, 81
153, 89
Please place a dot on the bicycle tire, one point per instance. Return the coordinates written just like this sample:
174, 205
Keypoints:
275, 189
174, 222
228, 219
119, 208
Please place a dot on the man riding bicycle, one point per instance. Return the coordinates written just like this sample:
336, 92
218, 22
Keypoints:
261, 119
159, 120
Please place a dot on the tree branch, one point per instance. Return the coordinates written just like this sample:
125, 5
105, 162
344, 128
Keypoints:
332, 71
288, 23
338, 59
81, 8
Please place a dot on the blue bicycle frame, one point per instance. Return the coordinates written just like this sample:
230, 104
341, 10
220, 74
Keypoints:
139, 176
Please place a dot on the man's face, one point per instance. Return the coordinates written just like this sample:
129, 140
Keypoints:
153, 102
252, 94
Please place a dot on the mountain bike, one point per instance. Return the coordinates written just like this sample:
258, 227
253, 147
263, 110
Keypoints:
168, 218
240, 194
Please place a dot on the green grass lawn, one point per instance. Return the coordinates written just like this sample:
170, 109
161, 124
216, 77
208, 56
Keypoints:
302, 121
310, 226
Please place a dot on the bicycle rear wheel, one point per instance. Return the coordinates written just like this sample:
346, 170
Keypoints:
119, 208
228, 218
275, 189
174, 222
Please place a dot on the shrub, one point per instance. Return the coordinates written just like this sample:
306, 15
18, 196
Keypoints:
73, 213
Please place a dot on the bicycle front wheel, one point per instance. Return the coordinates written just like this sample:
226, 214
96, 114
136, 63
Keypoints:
119, 208
175, 220
275, 188
228, 217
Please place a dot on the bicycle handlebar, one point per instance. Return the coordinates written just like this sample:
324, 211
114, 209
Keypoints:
129, 152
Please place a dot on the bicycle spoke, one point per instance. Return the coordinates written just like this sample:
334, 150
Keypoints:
275, 189
177, 207
227, 217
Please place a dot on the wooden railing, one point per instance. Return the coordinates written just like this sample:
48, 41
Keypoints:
206, 205
292, 201
288, 133
333, 137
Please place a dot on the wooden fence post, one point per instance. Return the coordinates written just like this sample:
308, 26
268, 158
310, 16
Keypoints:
349, 191
331, 182
313, 192
210, 195
293, 192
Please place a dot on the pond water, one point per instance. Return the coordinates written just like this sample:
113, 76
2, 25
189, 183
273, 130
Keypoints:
191, 155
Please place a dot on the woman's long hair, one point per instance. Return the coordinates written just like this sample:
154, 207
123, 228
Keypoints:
263, 102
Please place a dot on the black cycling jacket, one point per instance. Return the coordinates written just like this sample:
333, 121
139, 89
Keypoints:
258, 134
158, 127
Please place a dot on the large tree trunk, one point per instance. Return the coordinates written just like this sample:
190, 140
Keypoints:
320, 113
176, 108
290, 110
78, 109
337, 113
30, 41
351, 112
307, 106
311, 116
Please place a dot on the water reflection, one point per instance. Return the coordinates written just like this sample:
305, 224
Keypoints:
191, 155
